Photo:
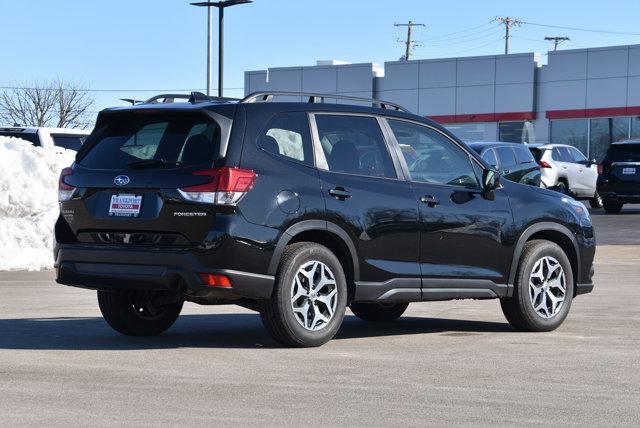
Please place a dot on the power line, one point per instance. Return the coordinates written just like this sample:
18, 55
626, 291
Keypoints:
448, 36
409, 44
471, 49
493, 34
590, 30
113, 90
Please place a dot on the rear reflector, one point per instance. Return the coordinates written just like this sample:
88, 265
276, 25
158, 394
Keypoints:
65, 191
544, 164
214, 280
226, 186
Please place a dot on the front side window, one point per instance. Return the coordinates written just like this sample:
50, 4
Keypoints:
506, 157
432, 157
287, 134
151, 140
577, 155
354, 145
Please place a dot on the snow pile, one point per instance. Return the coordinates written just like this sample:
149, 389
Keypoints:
28, 203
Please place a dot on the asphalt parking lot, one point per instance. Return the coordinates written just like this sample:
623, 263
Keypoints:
442, 363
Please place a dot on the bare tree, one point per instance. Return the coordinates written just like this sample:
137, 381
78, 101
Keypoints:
57, 103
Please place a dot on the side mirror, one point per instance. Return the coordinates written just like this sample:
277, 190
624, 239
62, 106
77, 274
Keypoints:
490, 179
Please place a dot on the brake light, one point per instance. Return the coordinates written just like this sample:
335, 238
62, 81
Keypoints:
214, 280
599, 168
544, 164
65, 191
226, 186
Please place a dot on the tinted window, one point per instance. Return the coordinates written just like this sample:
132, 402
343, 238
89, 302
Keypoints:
577, 155
516, 132
432, 157
571, 132
523, 155
506, 157
31, 137
565, 154
72, 142
287, 134
624, 152
181, 140
537, 153
603, 132
354, 145
489, 157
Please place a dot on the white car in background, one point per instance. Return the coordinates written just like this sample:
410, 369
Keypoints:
54, 139
567, 170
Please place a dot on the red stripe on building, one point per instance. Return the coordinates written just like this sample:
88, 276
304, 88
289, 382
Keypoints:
484, 117
592, 112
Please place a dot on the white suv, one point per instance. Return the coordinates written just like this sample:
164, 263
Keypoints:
55, 139
567, 170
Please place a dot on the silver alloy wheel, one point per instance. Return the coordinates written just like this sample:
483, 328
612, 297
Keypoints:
547, 287
314, 295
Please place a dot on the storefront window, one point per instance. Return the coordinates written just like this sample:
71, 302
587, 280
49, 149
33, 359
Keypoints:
573, 132
516, 132
469, 131
605, 131
635, 127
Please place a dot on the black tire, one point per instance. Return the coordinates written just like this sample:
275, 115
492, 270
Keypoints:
277, 313
519, 309
378, 312
596, 201
612, 207
562, 188
128, 314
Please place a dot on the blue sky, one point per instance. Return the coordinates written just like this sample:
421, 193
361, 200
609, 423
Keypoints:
161, 44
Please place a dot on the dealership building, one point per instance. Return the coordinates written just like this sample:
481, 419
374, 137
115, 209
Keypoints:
584, 97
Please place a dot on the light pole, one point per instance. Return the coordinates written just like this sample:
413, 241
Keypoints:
220, 5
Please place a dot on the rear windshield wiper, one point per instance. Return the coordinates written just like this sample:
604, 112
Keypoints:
148, 163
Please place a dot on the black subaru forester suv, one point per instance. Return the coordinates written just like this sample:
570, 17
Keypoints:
298, 209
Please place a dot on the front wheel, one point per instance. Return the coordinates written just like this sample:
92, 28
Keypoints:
612, 207
543, 289
309, 297
378, 311
139, 313
596, 201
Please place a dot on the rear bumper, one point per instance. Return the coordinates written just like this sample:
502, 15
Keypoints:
128, 269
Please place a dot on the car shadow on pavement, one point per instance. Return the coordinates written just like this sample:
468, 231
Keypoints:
242, 330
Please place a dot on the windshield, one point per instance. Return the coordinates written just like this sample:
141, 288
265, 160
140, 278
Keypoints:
152, 141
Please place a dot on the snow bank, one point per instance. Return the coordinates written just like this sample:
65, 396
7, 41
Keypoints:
28, 203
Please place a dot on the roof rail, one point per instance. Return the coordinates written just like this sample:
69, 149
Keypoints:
193, 98
315, 98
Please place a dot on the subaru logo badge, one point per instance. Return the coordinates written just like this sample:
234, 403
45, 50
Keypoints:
121, 180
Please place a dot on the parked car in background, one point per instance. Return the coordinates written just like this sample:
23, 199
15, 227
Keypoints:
619, 181
513, 161
48, 138
567, 170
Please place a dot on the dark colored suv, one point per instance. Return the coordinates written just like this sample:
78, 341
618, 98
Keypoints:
514, 161
619, 180
300, 209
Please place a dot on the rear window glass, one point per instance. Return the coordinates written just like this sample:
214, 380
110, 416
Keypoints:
624, 152
129, 141
68, 141
31, 137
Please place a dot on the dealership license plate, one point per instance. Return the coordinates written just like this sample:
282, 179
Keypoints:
628, 171
125, 205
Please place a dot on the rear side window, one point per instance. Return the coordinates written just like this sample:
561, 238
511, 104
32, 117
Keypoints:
506, 156
68, 141
489, 157
287, 134
562, 154
131, 140
523, 155
31, 137
354, 145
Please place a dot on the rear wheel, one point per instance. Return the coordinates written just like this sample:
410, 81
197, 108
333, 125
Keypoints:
596, 201
309, 297
543, 289
140, 313
562, 188
612, 207
378, 311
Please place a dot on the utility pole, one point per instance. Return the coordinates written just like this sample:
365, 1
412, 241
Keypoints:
508, 23
408, 43
557, 40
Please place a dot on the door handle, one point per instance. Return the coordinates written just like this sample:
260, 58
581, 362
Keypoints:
430, 200
339, 193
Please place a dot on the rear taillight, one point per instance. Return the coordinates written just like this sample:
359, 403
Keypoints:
544, 164
226, 186
599, 168
65, 191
